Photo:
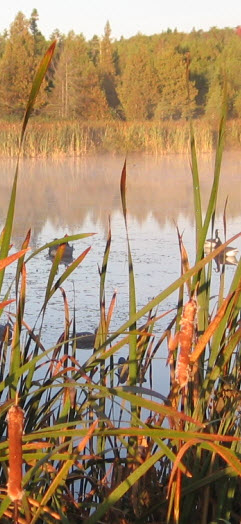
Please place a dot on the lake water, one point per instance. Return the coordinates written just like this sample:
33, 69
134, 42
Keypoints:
78, 195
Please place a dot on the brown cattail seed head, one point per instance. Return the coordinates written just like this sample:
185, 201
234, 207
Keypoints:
15, 432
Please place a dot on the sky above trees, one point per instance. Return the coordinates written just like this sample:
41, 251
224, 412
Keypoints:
127, 17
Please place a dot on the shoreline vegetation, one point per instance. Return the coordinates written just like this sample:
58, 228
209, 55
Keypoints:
118, 96
76, 138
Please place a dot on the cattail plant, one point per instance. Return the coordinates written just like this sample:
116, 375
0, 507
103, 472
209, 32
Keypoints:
185, 340
15, 433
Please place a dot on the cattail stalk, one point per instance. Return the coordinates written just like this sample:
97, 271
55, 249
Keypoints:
185, 339
15, 432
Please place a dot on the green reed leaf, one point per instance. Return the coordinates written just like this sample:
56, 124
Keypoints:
123, 487
37, 81
196, 187
57, 241
133, 370
4, 505
167, 292
67, 272
44, 64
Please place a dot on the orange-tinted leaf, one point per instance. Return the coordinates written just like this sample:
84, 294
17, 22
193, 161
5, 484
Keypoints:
9, 260
204, 339
179, 456
87, 437
6, 302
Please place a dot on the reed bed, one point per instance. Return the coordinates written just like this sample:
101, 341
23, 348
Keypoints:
72, 138
176, 459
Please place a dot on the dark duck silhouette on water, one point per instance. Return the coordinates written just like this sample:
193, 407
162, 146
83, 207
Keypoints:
122, 370
68, 251
85, 339
6, 331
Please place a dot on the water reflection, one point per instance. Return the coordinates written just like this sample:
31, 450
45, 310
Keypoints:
74, 196
66, 192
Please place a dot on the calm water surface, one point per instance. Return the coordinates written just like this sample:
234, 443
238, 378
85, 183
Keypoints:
75, 196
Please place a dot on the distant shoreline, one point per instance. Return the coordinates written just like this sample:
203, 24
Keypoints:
77, 138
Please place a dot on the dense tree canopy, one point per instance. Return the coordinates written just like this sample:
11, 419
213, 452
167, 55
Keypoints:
140, 78
176, 100
138, 89
77, 92
17, 67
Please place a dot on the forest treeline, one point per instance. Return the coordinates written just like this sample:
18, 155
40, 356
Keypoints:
119, 95
140, 78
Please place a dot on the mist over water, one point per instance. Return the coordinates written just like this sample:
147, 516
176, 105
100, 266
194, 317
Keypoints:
78, 196
66, 193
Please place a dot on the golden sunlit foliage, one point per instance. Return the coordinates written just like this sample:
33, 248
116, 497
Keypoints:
140, 78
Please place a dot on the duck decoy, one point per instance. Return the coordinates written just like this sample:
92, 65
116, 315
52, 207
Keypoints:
68, 252
6, 329
85, 339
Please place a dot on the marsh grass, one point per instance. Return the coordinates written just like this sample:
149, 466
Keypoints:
78, 463
72, 138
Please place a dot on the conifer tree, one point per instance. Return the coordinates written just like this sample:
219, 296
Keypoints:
107, 71
138, 90
39, 40
77, 92
3, 40
175, 101
94, 50
17, 68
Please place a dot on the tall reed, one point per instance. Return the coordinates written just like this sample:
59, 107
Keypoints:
76, 138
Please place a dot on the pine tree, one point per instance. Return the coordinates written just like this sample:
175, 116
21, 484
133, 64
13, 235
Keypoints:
77, 92
107, 71
227, 66
94, 50
39, 40
17, 68
3, 40
138, 90
175, 101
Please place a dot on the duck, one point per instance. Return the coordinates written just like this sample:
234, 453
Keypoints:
231, 261
210, 243
122, 370
229, 251
68, 252
85, 339
227, 256
223, 259
3, 332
